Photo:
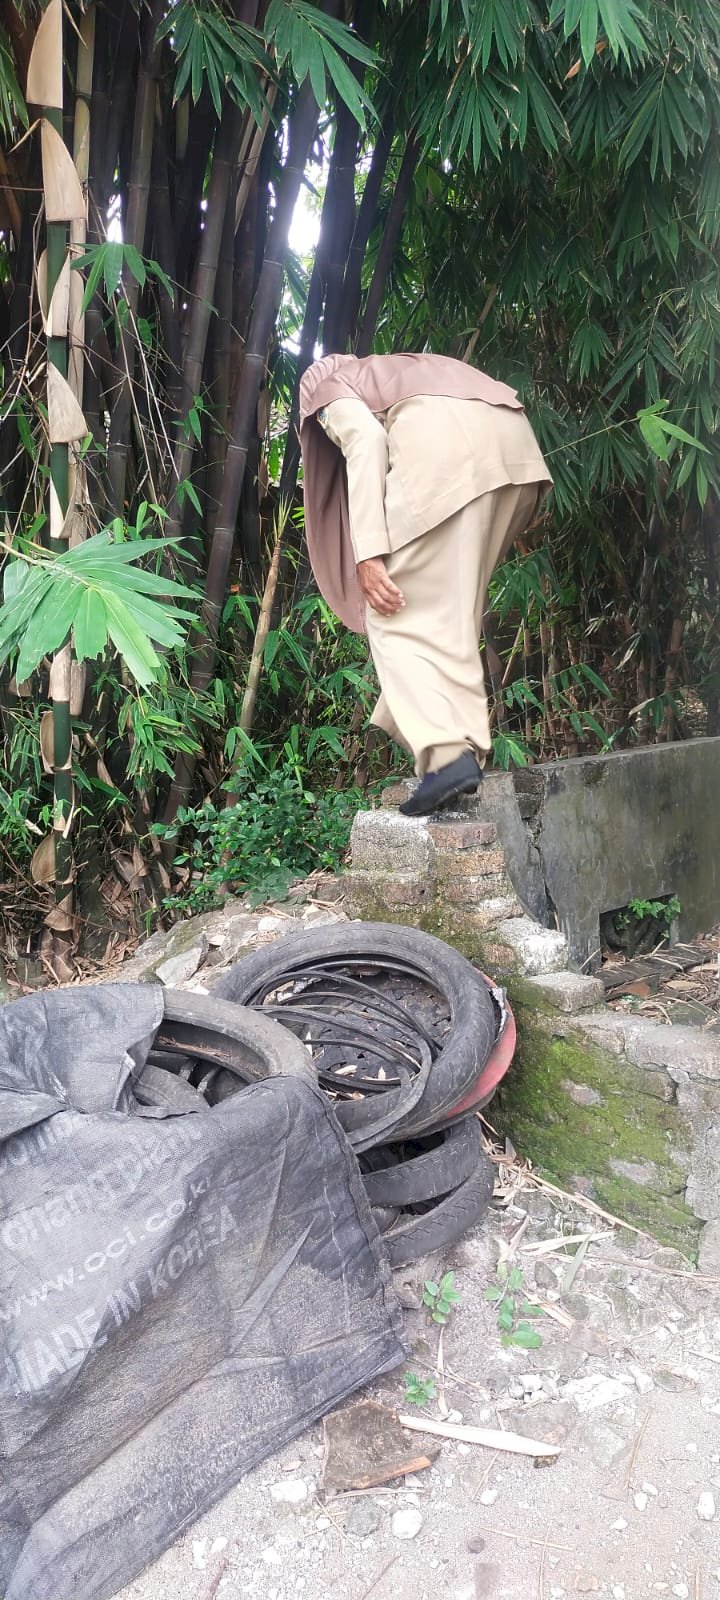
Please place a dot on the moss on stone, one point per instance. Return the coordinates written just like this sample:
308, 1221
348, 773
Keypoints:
632, 1119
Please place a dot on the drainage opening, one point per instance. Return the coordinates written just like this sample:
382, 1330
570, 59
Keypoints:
639, 927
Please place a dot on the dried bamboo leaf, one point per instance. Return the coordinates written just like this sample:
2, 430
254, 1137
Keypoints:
60, 674
78, 676
47, 741
64, 199
45, 68
57, 516
42, 866
55, 315
66, 423
60, 920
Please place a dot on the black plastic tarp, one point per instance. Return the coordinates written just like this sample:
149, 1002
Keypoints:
180, 1294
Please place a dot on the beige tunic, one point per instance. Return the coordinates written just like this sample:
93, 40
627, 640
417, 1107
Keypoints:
440, 488
415, 465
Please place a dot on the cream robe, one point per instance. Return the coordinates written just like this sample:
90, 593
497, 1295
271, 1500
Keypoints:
415, 465
440, 488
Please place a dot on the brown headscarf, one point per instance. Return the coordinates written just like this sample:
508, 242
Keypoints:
381, 381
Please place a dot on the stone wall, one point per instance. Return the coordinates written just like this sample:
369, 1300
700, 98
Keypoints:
624, 1110
586, 836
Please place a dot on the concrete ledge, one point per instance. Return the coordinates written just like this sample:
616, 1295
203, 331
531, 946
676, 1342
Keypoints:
568, 992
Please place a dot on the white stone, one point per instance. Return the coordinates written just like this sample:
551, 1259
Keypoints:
618, 1591
271, 1556
640, 1501
619, 1526
406, 1524
531, 1382
218, 1545
642, 1380
488, 1497
463, 1450
648, 1488
588, 1394
454, 1416
290, 1493
537, 949
199, 1553
177, 969
322, 1522
681, 1590
706, 1506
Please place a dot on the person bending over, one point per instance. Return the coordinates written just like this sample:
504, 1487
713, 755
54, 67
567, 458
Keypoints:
419, 474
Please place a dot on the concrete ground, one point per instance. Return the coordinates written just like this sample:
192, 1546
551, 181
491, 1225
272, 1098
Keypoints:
627, 1382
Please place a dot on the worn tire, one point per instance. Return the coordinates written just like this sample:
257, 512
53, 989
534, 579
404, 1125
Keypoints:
411, 1179
473, 1021
445, 1222
232, 1037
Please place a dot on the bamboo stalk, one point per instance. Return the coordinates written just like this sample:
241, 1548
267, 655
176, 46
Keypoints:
390, 241
203, 295
364, 224
303, 123
46, 69
134, 233
247, 712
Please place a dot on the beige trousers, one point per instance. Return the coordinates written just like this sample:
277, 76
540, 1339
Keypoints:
427, 659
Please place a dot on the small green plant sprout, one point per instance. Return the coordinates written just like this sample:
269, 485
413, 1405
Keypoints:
419, 1391
505, 1294
441, 1298
664, 911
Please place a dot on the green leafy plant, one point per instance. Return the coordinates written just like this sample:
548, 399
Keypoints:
277, 831
441, 1298
512, 1308
663, 911
419, 1391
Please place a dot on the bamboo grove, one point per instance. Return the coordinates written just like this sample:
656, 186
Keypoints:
531, 186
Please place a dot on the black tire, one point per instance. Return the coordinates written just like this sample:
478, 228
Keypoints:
231, 1037
408, 1180
473, 1019
445, 1222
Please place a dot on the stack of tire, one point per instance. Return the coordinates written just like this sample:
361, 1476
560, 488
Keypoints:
406, 1092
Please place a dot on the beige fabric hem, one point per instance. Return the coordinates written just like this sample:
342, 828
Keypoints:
433, 698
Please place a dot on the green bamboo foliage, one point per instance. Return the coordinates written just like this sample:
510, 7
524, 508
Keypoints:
532, 187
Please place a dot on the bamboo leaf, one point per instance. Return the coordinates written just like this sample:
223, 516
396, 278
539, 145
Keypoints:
134, 261
652, 432
90, 628
48, 626
131, 643
112, 266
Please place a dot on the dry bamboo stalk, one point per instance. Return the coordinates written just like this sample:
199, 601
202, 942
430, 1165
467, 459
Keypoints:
493, 1438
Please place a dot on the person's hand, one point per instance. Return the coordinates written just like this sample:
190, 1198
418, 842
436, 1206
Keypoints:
379, 590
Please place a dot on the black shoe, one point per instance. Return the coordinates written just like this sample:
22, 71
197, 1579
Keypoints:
462, 776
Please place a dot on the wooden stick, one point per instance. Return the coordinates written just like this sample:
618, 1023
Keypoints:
493, 1438
636, 1447
525, 1538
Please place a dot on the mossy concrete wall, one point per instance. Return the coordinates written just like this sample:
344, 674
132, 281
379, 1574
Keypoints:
595, 1122
594, 1106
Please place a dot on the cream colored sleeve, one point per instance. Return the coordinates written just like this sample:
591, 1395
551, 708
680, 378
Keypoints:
362, 438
